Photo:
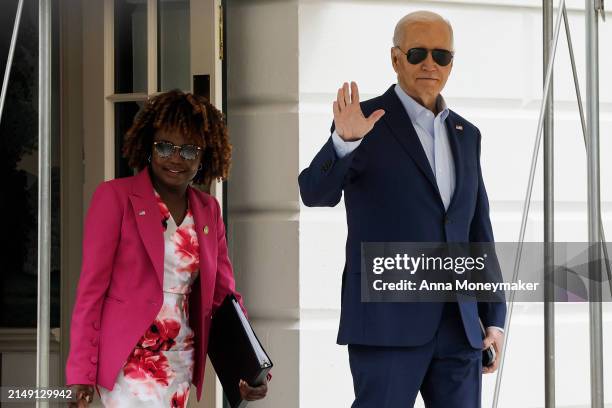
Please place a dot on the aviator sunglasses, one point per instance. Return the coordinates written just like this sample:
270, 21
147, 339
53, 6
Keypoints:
418, 55
166, 149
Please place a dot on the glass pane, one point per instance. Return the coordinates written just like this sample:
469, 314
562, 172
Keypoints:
124, 116
19, 167
8, 10
130, 46
174, 54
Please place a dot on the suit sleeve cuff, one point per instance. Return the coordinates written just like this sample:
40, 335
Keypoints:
342, 147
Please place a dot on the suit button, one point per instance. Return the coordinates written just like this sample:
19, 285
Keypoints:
91, 377
447, 220
94, 341
94, 360
96, 325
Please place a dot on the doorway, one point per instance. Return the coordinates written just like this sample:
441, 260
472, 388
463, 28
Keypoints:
109, 55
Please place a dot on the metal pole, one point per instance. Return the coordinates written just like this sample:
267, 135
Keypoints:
549, 216
44, 194
570, 46
9, 60
594, 209
527, 201
584, 134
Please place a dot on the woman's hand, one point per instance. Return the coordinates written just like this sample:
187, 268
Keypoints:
249, 393
84, 394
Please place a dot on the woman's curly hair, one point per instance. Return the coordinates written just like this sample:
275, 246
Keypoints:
192, 115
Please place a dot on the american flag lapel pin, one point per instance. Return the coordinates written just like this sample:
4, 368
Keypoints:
459, 127
141, 213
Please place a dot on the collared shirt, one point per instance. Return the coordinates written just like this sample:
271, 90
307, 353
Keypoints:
431, 131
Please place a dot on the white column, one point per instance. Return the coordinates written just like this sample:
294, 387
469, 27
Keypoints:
262, 52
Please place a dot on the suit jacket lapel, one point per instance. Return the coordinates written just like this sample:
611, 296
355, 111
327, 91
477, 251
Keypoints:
206, 231
403, 130
148, 220
455, 144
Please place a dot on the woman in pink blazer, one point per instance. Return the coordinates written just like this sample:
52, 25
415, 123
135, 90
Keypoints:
155, 263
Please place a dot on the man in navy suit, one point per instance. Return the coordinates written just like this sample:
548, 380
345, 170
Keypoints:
410, 171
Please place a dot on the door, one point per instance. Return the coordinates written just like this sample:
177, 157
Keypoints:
19, 198
154, 46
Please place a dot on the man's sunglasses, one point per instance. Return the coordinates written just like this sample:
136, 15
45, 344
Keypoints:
418, 55
166, 149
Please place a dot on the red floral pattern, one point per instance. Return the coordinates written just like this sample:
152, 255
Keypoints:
163, 208
179, 399
187, 249
161, 335
145, 364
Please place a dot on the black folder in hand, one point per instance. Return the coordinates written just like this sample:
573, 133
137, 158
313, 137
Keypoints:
235, 352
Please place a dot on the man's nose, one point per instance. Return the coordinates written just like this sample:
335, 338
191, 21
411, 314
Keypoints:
429, 64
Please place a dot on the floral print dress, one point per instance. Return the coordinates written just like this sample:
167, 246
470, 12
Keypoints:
159, 370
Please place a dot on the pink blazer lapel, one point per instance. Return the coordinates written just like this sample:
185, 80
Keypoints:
148, 220
206, 230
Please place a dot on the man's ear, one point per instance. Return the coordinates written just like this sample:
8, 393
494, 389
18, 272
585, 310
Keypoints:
394, 60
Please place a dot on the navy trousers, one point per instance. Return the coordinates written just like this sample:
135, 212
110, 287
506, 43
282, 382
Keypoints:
447, 370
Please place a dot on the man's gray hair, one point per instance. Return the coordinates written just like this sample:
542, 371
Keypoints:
418, 16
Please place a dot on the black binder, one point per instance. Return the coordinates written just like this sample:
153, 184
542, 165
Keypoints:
235, 351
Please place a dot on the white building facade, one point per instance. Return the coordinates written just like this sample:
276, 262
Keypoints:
286, 60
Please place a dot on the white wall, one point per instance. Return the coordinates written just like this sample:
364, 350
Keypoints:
280, 111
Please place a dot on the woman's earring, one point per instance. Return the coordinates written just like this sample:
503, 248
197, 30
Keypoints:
149, 159
198, 171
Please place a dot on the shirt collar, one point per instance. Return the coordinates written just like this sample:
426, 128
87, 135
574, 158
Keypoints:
415, 110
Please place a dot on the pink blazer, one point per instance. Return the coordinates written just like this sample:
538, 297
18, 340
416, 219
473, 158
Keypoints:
120, 288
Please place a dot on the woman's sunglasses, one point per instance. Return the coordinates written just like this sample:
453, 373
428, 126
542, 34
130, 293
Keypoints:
166, 149
418, 55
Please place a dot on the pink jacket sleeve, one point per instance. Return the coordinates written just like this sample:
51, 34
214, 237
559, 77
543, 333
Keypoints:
100, 240
225, 283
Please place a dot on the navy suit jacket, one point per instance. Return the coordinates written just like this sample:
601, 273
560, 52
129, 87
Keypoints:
391, 195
